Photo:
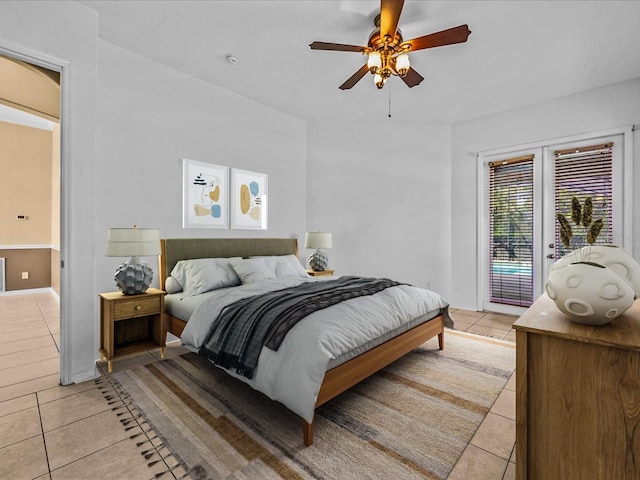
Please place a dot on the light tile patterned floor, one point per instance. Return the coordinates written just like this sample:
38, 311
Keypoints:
29, 340
53, 432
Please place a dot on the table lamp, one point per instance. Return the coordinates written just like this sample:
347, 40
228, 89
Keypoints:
134, 276
318, 260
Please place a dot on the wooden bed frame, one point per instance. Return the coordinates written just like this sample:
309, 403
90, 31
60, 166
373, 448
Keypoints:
336, 380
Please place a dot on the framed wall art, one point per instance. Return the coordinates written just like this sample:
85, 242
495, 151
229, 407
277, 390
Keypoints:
205, 201
249, 194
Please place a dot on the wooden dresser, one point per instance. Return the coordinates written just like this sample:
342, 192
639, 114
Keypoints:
577, 396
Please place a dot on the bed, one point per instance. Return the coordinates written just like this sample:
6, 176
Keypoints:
335, 377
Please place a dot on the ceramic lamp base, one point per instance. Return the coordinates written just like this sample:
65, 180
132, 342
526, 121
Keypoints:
133, 277
318, 261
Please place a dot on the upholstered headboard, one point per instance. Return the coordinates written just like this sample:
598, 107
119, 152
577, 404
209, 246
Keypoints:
175, 249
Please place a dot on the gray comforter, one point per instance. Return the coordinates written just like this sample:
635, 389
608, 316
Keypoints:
293, 374
243, 327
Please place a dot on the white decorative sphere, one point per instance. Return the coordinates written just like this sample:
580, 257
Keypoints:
589, 293
617, 259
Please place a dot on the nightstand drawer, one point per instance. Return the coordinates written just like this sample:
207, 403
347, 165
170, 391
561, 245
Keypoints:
136, 307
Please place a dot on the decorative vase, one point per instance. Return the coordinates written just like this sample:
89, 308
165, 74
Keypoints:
318, 261
134, 276
587, 292
617, 259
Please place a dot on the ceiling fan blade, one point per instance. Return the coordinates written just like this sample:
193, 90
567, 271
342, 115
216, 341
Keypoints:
339, 47
412, 78
355, 78
390, 11
453, 35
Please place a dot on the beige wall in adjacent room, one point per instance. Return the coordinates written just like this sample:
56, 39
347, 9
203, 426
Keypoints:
35, 261
26, 162
25, 185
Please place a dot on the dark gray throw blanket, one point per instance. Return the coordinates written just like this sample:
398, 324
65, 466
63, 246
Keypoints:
243, 327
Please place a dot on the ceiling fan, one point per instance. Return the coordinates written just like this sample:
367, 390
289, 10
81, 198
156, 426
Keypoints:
387, 51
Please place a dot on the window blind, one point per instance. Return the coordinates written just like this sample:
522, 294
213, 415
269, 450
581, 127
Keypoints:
582, 174
511, 231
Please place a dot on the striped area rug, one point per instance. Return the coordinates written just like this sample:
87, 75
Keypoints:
411, 420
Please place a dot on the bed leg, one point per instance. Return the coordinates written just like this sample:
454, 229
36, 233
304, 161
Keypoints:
307, 433
441, 340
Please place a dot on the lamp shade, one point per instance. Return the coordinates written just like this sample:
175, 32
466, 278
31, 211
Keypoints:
318, 240
403, 64
133, 242
374, 61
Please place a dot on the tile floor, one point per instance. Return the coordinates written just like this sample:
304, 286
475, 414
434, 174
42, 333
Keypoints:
53, 432
489, 324
491, 453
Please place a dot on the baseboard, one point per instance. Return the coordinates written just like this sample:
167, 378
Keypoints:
85, 376
29, 291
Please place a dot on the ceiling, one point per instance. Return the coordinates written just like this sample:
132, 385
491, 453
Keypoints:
519, 52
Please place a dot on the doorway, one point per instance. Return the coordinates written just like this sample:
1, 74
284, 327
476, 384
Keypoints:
30, 99
528, 208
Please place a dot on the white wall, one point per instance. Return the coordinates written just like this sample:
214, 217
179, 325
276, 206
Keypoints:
150, 117
604, 108
66, 32
382, 190
130, 121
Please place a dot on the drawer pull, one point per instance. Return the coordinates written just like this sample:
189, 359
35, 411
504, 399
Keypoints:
138, 307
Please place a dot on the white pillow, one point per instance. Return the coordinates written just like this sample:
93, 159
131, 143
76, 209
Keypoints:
204, 274
253, 270
294, 266
285, 265
171, 285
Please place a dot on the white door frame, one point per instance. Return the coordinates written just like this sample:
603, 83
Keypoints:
623, 232
28, 55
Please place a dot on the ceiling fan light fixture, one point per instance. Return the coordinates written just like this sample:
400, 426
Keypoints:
387, 50
403, 64
378, 80
374, 62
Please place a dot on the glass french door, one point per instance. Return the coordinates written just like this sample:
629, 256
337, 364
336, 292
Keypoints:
525, 193
512, 228
585, 195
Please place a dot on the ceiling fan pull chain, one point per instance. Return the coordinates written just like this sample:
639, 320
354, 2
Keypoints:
389, 100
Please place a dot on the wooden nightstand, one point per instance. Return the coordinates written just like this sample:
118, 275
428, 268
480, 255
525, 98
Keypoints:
131, 324
323, 273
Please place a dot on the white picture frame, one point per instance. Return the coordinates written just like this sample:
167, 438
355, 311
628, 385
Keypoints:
248, 205
205, 200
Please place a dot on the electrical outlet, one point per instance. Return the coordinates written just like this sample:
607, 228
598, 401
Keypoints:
25, 275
